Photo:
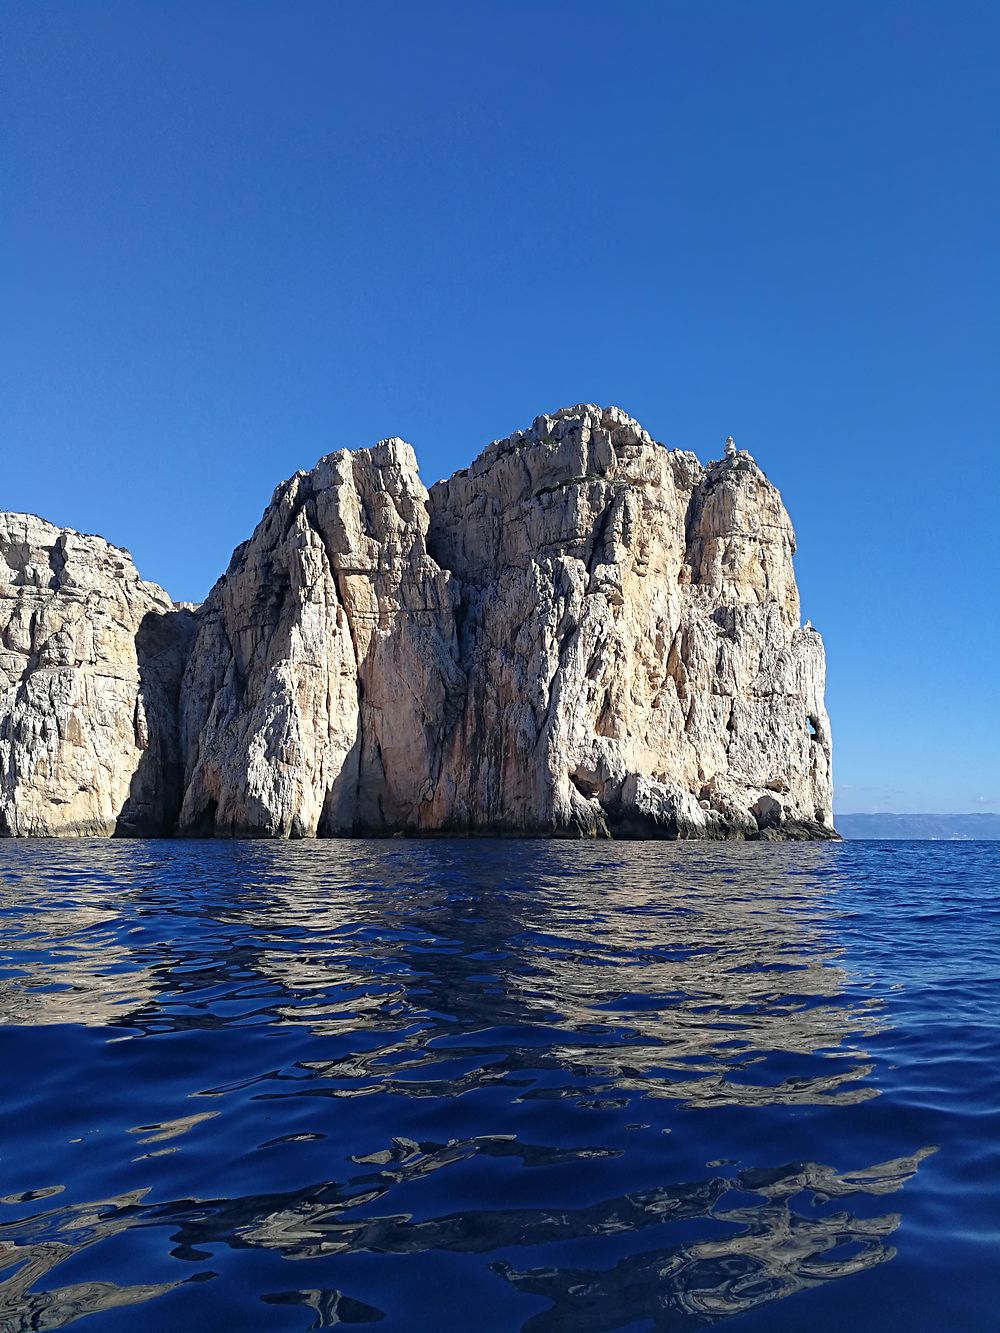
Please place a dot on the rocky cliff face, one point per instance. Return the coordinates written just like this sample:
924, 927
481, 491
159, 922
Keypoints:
630, 633
90, 665
324, 681
581, 634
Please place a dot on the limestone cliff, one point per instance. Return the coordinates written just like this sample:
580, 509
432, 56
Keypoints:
324, 681
584, 633
90, 665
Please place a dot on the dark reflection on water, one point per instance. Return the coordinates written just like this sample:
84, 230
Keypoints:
497, 1085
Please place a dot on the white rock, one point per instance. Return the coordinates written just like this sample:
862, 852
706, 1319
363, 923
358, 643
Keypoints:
90, 662
583, 633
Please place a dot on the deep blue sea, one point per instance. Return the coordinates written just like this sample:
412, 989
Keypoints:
450, 1085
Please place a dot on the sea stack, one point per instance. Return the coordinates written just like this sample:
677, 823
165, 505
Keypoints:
582, 634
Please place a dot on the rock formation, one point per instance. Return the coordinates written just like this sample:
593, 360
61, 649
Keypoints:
582, 634
324, 681
90, 664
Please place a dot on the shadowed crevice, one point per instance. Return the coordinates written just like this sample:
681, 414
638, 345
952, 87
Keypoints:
162, 645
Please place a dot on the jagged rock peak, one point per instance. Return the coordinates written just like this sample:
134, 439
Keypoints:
38, 554
591, 417
614, 424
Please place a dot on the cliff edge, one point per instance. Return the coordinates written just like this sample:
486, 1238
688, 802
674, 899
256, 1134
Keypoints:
582, 634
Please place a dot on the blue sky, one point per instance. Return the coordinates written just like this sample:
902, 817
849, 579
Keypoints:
237, 236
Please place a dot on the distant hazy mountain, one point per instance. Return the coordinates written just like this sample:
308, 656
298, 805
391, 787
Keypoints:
952, 827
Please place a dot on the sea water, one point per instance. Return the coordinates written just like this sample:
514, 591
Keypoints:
499, 1085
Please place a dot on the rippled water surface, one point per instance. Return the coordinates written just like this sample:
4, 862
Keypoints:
499, 1086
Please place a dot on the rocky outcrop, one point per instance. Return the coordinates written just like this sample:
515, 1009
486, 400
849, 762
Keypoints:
325, 679
582, 634
90, 665
630, 630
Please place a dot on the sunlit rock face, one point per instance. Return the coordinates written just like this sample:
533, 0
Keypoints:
630, 633
90, 664
325, 679
582, 634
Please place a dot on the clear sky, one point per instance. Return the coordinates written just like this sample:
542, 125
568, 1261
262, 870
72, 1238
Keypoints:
239, 235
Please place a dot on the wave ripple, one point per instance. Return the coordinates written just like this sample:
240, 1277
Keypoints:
499, 1086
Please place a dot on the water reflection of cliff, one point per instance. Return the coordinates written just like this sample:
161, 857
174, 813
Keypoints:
768, 1236
653, 971
595, 977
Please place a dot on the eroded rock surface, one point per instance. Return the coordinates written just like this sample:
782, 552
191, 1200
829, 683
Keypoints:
630, 631
90, 663
583, 633
325, 680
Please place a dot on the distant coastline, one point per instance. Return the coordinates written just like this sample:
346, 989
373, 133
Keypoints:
950, 828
